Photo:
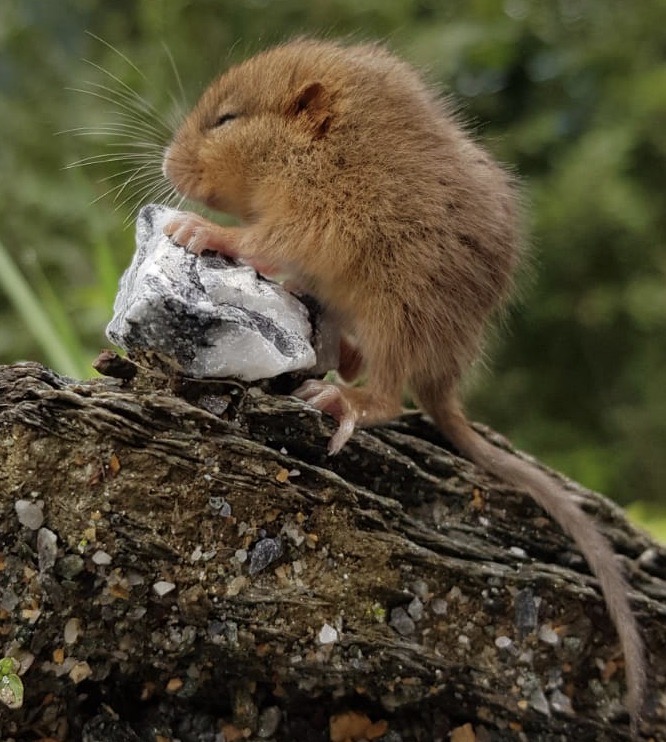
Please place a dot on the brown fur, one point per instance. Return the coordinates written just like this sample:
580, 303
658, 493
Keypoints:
353, 177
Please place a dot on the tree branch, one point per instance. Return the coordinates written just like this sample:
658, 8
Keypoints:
211, 557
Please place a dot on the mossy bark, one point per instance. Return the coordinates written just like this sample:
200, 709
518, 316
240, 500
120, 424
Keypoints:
211, 556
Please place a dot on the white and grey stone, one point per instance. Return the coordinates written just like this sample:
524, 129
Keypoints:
213, 317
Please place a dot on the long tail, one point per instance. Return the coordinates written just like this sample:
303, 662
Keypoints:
553, 498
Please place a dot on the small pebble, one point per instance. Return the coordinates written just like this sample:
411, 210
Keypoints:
525, 612
47, 549
70, 566
517, 551
162, 587
101, 558
327, 634
240, 555
135, 578
439, 607
415, 609
8, 599
72, 630
391, 736
503, 642
561, 703
30, 514
420, 589
81, 671
539, 702
455, 593
269, 721
265, 551
174, 685
293, 533
548, 635
401, 622
572, 643
235, 586
282, 476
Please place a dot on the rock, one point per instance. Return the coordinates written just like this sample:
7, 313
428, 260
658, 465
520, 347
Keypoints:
264, 553
70, 566
47, 549
525, 612
401, 622
269, 721
72, 630
327, 634
101, 558
415, 609
548, 635
503, 642
162, 587
30, 514
210, 316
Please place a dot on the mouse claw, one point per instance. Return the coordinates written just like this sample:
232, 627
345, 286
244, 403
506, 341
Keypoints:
196, 234
186, 233
331, 399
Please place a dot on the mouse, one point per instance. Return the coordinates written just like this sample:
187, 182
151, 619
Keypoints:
354, 177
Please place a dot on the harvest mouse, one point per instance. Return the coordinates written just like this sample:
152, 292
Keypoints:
353, 177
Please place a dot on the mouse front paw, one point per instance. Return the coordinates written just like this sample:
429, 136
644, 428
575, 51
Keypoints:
197, 234
330, 398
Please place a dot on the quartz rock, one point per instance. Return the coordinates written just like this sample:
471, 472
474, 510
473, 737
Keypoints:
212, 317
327, 634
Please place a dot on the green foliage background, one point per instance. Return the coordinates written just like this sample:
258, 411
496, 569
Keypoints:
571, 92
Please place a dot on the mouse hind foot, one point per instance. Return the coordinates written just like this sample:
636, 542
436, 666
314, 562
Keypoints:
349, 406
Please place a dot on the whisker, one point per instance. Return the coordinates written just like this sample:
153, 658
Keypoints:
118, 52
121, 173
181, 104
132, 101
158, 195
169, 194
135, 178
136, 194
146, 179
138, 134
121, 105
131, 194
118, 188
108, 157
138, 146
116, 128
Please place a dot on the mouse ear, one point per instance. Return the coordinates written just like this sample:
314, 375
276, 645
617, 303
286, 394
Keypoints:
312, 104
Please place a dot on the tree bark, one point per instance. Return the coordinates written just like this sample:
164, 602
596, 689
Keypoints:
214, 566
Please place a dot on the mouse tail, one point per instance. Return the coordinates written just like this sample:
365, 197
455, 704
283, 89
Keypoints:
558, 502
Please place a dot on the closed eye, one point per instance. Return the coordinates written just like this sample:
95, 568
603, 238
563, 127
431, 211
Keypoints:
224, 118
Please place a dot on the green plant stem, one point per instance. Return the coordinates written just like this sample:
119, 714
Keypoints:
38, 322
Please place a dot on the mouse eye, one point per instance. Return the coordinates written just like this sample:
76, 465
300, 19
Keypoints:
223, 119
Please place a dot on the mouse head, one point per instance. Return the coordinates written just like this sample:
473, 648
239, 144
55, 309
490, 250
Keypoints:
254, 122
